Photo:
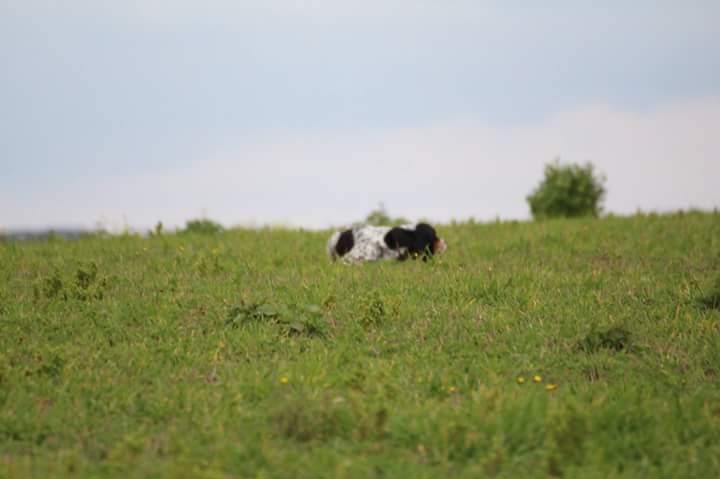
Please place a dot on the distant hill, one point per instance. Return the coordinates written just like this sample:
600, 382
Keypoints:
39, 235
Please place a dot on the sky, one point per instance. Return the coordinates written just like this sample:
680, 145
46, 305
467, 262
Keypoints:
309, 114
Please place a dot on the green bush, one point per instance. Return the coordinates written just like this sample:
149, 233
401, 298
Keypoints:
203, 226
380, 217
567, 191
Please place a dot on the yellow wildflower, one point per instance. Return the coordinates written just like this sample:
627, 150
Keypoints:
537, 378
550, 386
284, 380
520, 380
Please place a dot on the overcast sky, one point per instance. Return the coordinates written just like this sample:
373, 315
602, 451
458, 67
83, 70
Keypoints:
311, 113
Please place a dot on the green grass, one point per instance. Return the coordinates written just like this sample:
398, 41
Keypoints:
249, 354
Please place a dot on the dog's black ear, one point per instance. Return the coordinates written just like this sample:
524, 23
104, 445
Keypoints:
345, 242
390, 239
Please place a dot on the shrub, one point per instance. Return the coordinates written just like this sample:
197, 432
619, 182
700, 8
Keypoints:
203, 226
567, 191
380, 217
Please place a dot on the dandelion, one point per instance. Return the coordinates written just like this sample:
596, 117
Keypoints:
520, 380
284, 380
537, 378
550, 386
452, 389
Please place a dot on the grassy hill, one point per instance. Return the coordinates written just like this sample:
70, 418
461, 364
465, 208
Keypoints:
249, 354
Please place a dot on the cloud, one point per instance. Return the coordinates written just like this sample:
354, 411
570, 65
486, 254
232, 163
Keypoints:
659, 160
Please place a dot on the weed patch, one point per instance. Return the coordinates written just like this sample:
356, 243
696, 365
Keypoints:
614, 339
86, 285
52, 287
243, 314
711, 300
305, 320
374, 309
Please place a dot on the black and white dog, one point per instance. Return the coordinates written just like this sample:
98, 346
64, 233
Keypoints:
372, 243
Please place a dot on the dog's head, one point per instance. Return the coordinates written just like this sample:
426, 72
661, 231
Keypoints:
422, 241
428, 240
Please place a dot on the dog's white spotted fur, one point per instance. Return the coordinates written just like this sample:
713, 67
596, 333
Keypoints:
369, 244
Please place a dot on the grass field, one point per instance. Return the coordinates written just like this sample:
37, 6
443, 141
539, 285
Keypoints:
249, 354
